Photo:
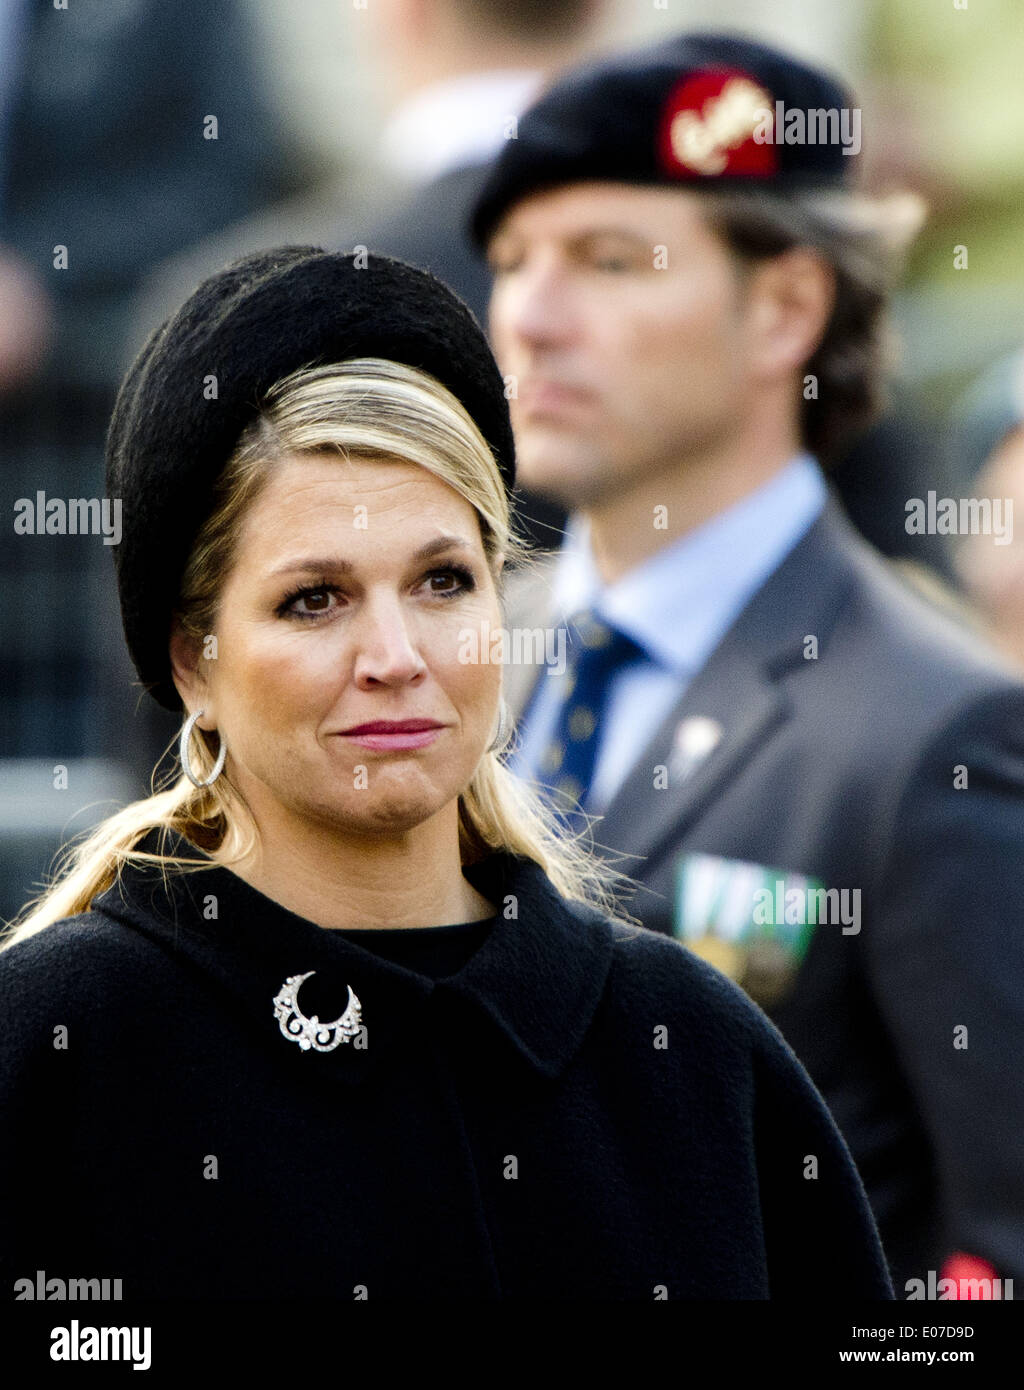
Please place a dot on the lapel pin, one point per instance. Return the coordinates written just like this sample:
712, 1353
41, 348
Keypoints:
696, 738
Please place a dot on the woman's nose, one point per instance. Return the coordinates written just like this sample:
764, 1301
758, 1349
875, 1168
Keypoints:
387, 647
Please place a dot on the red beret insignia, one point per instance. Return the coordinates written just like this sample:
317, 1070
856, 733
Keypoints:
709, 124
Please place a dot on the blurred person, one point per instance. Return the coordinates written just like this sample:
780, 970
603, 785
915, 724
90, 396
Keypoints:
989, 430
344, 913
902, 454
462, 72
105, 169
120, 174
819, 777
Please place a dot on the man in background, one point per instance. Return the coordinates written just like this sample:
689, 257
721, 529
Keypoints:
818, 779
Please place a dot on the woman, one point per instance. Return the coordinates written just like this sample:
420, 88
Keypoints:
341, 1012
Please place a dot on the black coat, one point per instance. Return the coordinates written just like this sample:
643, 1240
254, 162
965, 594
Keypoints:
514, 1131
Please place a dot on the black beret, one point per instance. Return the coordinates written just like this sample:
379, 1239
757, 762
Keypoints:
250, 325
684, 111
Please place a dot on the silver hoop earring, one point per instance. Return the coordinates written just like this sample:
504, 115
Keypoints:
504, 728
186, 765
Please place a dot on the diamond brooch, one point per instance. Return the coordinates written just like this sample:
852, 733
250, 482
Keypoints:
310, 1032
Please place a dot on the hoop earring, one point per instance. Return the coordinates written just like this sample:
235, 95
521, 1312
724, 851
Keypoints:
186, 765
504, 728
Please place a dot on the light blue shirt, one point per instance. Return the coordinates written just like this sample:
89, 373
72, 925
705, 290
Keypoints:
677, 605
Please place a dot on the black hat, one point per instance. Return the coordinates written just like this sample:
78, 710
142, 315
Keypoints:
699, 110
249, 326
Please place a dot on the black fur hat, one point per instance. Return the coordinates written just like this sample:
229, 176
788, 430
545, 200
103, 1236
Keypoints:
249, 326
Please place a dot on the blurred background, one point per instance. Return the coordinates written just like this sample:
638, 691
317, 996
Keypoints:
143, 144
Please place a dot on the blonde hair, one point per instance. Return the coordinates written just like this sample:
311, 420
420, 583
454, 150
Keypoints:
374, 409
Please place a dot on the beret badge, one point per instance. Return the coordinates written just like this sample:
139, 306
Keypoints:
709, 125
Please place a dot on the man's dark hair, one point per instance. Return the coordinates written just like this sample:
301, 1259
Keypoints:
863, 241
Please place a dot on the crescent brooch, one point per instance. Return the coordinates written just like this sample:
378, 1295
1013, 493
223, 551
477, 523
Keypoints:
310, 1032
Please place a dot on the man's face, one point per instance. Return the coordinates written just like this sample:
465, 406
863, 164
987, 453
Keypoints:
621, 317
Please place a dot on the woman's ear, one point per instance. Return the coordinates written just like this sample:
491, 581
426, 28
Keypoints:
188, 679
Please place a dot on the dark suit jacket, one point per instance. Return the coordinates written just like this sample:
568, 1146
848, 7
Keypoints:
843, 768
429, 230
583, 1110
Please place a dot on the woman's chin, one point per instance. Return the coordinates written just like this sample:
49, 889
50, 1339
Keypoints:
379, 815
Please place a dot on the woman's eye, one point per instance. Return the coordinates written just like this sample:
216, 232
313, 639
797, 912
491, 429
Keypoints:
316, 602
450, 582
308, 603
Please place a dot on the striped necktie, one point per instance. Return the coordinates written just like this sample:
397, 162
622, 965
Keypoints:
597, 652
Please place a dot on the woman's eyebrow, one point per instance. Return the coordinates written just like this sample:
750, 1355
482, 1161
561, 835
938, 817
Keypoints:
334, 563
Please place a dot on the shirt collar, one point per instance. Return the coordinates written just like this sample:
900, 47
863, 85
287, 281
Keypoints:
536, 980
456, 122
680, 602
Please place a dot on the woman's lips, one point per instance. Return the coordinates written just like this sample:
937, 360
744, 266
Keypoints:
394, 735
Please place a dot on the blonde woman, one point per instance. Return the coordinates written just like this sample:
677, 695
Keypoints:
341, 1010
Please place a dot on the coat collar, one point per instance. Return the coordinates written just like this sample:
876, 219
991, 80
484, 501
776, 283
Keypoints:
535, 982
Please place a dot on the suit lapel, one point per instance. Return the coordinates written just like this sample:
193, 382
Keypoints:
737, 695
665, 790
